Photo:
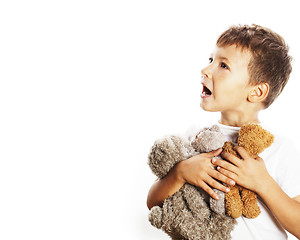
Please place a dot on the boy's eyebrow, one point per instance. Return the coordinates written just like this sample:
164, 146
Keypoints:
220, 57
223, 58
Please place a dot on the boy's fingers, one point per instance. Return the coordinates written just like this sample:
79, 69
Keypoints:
229, 157
213, 153
231, 164
207, 189
229, 175
223, 178
242, 152
215, 184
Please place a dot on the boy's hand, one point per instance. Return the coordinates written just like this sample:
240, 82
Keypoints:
199, 171
249, 172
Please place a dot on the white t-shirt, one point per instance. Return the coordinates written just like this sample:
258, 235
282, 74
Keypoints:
283, 163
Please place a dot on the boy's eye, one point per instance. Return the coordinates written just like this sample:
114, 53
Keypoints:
223, 65
210, 60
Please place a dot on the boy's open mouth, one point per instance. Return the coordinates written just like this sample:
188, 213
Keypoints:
206, 91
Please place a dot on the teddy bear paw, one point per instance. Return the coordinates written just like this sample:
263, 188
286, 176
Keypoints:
155, 217
218, 206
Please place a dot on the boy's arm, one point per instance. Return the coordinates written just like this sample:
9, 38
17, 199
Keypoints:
252, 174
165, 187
197, 170
284, 208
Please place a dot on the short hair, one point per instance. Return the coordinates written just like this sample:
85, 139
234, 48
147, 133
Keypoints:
270, 62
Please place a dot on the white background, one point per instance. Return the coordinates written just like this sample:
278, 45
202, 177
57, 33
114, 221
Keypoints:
85, 89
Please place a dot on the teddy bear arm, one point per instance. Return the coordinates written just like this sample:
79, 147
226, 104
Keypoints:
218, 206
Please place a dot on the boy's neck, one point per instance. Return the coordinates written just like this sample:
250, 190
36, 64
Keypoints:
238, 120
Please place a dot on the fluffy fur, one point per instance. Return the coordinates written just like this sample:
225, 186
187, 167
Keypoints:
189, 214
254, 139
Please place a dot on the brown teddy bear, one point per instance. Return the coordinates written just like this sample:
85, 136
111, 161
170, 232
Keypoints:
254, 139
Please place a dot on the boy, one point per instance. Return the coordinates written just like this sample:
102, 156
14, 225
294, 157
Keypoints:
247, 71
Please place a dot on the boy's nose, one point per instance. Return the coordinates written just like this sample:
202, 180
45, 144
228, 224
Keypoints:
205, 72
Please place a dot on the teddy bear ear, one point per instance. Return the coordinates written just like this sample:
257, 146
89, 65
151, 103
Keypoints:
269, 137
255, 136
215, 128
166, 152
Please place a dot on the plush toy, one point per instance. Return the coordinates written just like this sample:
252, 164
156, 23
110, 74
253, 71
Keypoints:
189, 214
239, 200
207, 140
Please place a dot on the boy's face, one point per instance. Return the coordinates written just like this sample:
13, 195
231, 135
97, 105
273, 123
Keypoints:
225, 80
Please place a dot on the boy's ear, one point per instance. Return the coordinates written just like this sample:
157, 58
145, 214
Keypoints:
259, 93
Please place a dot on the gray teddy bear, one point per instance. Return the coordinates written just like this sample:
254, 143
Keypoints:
190, 213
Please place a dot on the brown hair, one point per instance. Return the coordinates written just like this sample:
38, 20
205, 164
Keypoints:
270, 62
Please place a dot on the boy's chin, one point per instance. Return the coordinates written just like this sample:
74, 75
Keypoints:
207, 108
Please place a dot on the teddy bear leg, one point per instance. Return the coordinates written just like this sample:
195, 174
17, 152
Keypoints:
164, 217
220, 226
249, 198
192, 214
178, 221
186, 226
192, 228
233, 202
